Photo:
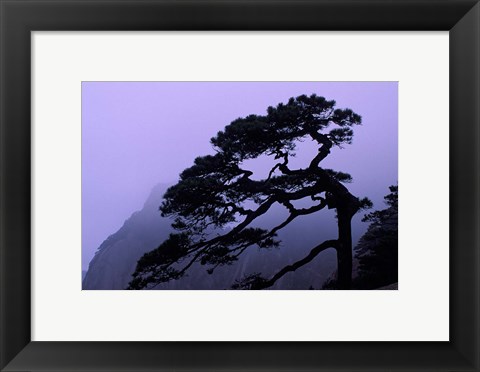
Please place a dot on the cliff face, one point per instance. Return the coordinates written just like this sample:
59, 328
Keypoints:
116, 258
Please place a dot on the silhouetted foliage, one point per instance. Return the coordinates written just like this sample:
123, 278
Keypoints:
216, 193
377, 251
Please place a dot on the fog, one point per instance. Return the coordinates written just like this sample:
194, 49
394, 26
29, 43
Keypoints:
136, 135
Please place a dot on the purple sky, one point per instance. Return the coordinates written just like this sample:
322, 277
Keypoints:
138, 134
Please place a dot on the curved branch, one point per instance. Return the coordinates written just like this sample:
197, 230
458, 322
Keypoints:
323, 151
313, 253
282, 167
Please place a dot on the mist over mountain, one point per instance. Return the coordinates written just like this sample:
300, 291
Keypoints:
116, 258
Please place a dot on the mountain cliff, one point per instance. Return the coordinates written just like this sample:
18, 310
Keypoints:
117, 256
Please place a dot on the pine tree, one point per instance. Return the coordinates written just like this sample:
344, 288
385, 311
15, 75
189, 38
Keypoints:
217, 192
377, 251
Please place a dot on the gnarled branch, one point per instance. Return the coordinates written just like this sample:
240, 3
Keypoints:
260, 283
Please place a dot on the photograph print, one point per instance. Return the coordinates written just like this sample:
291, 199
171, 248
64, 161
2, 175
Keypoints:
239, 185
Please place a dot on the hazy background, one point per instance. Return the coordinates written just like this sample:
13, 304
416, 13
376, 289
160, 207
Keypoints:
136, 135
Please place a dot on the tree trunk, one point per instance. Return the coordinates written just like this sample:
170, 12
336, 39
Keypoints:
346, 206
344, 249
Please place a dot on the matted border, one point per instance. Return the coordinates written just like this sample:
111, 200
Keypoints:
63, 59
19, 18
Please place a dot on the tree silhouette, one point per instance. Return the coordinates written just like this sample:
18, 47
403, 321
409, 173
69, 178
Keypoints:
377, 251
217, 193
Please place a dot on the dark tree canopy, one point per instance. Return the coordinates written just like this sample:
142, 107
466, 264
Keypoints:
217, 192
377, 251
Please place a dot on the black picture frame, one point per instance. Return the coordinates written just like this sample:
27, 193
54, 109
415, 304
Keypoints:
19, 17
